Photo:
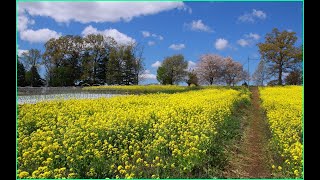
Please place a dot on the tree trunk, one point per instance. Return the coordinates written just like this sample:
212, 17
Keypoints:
280, 76
211, 81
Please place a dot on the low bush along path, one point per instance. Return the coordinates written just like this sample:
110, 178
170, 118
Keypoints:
249, 157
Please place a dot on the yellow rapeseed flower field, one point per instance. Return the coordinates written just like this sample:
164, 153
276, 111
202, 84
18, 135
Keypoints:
135, 136
140, 89
283, 107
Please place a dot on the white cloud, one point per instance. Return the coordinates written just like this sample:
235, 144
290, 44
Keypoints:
114, 33
23, 22
191, 65
289, 30
20, 51
157, 36
246, 18
118, 36
149, 34
147, 75
90, 30
243, 42
197, 25
253, 36
249, 39
156, 64
221, 44
259, 14
38, 36
177, 46
85, 12
188, 8
145, 33
151, 43
254, 15
33, 36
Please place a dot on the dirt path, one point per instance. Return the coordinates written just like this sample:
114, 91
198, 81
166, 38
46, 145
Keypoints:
249, 159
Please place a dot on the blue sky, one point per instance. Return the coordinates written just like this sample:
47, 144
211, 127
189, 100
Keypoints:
163, 28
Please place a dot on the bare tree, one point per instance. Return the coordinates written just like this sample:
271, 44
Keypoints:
31, 58
261, 74
32, 61
245, 76
209, 68
138, 66
294, 78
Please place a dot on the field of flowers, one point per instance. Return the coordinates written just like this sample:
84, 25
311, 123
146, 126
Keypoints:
141, 89
283, 107
134, 136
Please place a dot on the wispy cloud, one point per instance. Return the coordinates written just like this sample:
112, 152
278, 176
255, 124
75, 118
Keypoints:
177, 46
198, 25
148, 75
243, 42
160, 37
146, 34
156, 64
254, 36
151, 43
249, 39
253, 16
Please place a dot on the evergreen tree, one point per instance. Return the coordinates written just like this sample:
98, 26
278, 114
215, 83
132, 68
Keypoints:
21, 75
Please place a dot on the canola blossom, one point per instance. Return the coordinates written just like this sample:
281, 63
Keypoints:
140, 89
134, 136
283, 107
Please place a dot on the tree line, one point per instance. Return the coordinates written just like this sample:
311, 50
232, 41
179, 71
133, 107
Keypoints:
280, 58
74, 60
211, 69
95, 60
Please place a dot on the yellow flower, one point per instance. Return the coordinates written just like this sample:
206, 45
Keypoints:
153, 176
283, 106
172, 165
23, 174
127, 130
